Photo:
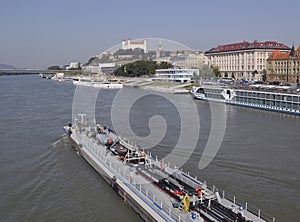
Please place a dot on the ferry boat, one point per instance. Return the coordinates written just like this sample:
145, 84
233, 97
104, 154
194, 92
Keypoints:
266, 99
155, 190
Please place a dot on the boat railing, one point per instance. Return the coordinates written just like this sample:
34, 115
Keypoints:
249, 207
140, 189
147, 193
213, 85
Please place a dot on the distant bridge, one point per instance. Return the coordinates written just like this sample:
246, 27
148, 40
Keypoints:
26, 71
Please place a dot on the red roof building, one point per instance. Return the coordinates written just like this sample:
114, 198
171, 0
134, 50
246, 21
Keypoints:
284, 66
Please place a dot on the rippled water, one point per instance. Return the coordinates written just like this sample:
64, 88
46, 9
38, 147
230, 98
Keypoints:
42, 179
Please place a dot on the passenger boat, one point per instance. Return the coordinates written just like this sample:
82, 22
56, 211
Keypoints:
267, 99
82, 82
154, 189
107, 84
97, 84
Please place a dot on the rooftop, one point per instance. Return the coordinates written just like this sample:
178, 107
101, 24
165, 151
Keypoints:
278, 55
246, 45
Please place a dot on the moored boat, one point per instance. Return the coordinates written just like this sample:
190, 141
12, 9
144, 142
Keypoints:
272, 100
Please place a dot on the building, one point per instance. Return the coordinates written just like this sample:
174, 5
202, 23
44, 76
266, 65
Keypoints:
134, 45
284, 66
175, 75
193, 60
100, 68
74, 65
243, 60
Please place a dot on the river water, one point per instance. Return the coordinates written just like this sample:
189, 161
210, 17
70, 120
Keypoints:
42, 179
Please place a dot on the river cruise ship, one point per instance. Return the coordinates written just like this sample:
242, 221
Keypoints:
275, 99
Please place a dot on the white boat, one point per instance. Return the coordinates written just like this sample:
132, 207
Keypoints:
97, 84
107, 84
82, 82
271, 99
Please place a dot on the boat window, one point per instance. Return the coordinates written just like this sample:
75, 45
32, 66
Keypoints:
295, 106
295, 98
272, 103
278, 97
284, 105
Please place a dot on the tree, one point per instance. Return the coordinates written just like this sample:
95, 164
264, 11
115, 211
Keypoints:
140, 68
232, 75
54, 68
206, 72
216, 71
164, 65
254, 73
264, 75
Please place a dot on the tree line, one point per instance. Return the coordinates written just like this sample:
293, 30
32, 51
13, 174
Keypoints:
141, 68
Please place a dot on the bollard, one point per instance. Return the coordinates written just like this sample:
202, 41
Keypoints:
233, 199
246, 206
258, 213
223, 194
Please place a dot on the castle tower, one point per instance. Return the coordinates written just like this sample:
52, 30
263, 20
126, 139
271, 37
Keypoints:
158, 51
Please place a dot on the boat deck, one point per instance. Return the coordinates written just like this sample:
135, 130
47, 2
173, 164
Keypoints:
147, 195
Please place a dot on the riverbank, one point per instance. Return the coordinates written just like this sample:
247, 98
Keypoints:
167, 87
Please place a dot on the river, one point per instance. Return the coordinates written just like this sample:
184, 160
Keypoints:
42, 179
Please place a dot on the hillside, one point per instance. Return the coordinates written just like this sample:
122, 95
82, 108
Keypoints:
5, 66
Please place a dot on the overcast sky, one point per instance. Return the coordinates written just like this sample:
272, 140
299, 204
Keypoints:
41, 33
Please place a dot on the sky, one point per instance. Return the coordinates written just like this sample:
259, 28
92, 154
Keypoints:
42, 33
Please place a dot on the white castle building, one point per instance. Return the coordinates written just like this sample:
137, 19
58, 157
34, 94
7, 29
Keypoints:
134, 45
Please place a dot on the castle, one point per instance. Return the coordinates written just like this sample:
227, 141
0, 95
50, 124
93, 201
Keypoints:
134, 45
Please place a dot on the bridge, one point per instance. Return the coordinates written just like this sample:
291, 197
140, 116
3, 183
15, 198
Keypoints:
27, 71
